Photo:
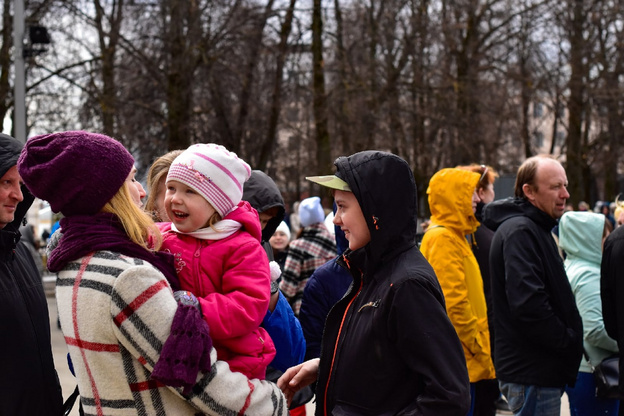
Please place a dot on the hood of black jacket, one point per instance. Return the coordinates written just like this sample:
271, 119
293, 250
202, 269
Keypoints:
384, 186
497, 212
262, 193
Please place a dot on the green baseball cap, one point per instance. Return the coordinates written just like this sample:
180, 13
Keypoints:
330, 181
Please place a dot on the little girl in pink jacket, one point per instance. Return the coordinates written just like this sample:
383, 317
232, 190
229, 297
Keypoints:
215, 239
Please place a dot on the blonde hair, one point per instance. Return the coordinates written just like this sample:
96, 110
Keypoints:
138, 225
157, 172
214, 218
619, 208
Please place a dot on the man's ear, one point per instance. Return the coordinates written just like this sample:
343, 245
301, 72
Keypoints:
528, 191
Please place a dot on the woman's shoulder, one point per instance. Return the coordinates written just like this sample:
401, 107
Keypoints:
140, 274
109, 262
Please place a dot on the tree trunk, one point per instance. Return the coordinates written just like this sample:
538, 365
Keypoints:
6, 97
323, 155
266, 151
107, 97
183, 14
342, 89
574, 166
248, 79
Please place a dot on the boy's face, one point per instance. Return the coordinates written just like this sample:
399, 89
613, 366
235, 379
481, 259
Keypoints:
350, 219
265, 216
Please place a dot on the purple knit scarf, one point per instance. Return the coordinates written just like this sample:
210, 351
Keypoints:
84, 234
187, 349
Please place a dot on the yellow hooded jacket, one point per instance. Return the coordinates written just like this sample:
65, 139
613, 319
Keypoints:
445, 246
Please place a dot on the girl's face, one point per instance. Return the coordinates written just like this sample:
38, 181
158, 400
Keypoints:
136, 189
475, 200
187, 209
279, 241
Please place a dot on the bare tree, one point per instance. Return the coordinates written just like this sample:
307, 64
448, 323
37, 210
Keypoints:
323, 155
276, 96
577, 108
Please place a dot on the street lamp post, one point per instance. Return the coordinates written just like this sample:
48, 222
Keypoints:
19, 109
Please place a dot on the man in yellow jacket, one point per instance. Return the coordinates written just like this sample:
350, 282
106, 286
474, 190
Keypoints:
452, 201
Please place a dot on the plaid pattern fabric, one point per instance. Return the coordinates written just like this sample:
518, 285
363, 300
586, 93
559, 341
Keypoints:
116, 313
315, 247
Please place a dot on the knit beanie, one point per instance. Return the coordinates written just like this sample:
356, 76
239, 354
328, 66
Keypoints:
77, 172
214, 172
283, 227
311, 211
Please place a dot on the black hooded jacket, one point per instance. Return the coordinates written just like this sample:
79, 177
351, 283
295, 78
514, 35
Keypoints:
29, 384
388, 346
539, 332
262, 194
612, 290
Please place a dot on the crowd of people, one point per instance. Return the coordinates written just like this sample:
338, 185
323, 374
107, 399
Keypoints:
201, 295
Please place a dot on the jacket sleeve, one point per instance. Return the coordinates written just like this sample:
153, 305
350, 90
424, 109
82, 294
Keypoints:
241, 306
315, 306
446, 257
285, 331
417, 314
527, 295
142, 310
587, 295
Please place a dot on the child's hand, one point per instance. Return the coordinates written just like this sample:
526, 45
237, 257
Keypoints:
276, 272
297, 377
185, 297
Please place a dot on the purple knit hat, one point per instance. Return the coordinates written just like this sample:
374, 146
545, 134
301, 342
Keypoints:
77, 172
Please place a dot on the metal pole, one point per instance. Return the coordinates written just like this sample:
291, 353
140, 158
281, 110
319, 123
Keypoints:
19, 113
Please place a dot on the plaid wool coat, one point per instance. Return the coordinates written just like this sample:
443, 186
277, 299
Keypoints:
315, 247
116, 313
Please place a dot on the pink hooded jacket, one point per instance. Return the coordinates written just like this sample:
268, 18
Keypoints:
231, 279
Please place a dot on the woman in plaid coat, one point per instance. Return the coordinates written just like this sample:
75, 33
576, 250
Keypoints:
134, 348
314, 247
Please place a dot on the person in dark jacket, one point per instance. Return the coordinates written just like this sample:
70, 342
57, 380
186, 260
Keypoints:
388, 347
488, 398
612, 291
538, 329
263, 194
29, 384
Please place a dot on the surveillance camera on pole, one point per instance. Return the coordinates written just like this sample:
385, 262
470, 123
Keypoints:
38, 39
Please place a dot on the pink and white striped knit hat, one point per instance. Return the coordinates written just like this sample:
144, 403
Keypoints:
214, 172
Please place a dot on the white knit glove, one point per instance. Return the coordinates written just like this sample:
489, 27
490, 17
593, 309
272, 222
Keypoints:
276, 272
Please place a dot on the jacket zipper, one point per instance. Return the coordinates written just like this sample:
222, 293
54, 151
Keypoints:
336, 345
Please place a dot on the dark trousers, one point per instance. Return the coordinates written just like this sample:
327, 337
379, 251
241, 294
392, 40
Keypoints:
486, 394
